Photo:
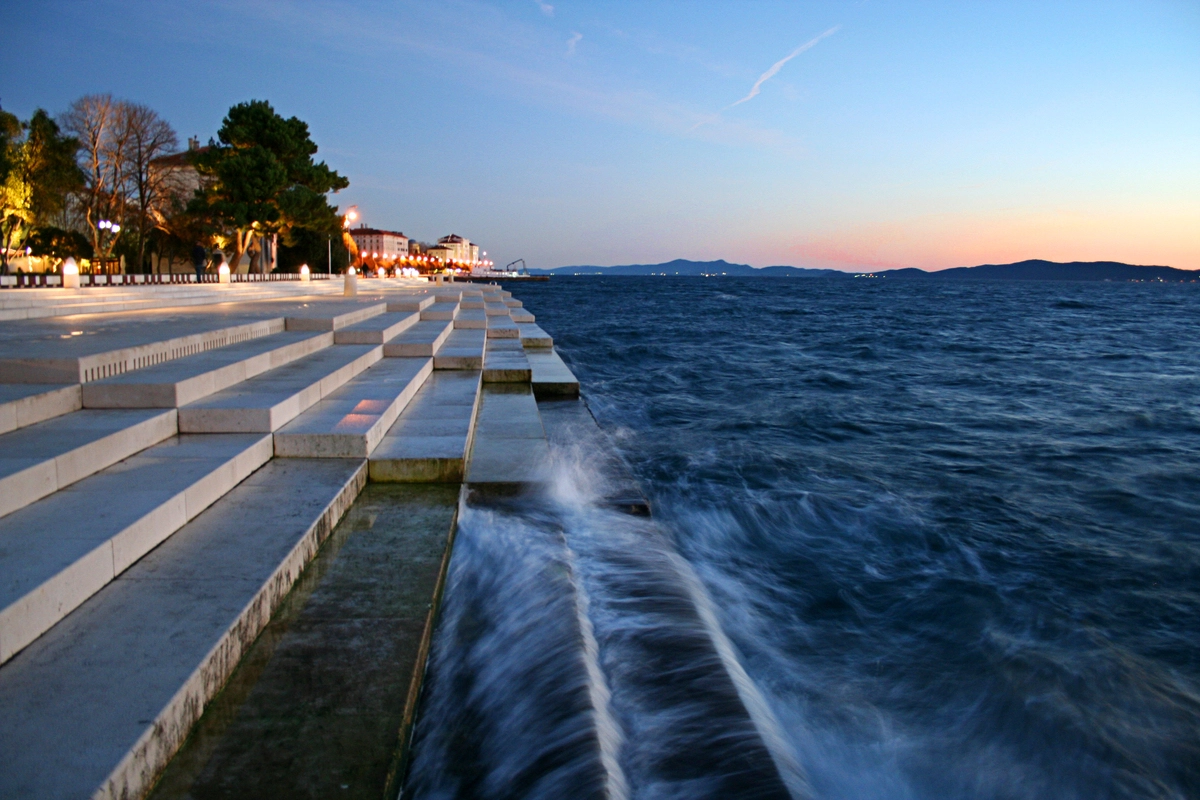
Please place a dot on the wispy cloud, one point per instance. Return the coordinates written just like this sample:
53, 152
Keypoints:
576, 36
778, 65
546, 8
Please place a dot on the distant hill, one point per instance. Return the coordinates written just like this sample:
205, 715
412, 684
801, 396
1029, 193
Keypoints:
681, 266
1033, 270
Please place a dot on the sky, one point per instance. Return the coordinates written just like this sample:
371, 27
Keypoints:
848, 135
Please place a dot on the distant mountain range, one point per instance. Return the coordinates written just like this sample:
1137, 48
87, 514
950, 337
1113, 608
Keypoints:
1034, 270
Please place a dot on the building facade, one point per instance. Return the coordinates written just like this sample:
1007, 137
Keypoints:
455, 248
388, 244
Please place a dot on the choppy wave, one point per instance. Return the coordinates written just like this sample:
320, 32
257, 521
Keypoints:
950, 536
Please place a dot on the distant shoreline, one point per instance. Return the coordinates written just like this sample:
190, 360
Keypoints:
1032, 270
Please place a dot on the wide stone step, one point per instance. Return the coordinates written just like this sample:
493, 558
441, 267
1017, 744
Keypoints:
268, 402
551, 377
422, 339
495, 309
118, 345
188, 379
509, 451
471, 319
97, 705
521, 315
502, 328
24, 404
533, 336
40, 459
440, 310
410, 303
463, 349
504, 362
351, 421
377, 330
430, 440
332, 315
511, 303
56, 553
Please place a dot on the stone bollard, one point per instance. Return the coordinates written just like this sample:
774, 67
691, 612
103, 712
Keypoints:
350, 288
70, 274
223, 273
304, 274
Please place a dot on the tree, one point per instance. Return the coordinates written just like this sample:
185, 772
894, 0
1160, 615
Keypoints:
262, 180
100, 124
148, 137
39, 172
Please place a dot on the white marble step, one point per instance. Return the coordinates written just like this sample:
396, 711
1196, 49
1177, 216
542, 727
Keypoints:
59, 551
509, 450
351, 421
188, 379
24, 404
378, 330
533, 336
422, 339
40, 459
440, 311
463, 349
410, 303
494, 309
551, 377
430, 440
109, 694
504, 362
268, 402
502, 328
521, 315
471, 319
332, 315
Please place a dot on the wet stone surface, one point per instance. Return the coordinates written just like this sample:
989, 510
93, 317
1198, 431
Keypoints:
322, 703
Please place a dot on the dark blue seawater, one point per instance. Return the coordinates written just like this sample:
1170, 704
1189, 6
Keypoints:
951, 531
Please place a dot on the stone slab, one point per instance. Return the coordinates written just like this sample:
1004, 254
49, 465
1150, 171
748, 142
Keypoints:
56, 553
422, 339
463, 349
24, 404
268, 402
521, 315
470, 319
441, 310
504, 362
410, 303
495, 309
551, 377
533, 336
502, 328
377, 330
99, 704
332, 315
351, 421
40, 459
509, 451
430, 440
190, 378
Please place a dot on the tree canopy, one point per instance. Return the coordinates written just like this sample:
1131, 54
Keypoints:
261, 178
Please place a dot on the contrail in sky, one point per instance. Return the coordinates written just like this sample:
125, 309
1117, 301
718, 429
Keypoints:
778, 65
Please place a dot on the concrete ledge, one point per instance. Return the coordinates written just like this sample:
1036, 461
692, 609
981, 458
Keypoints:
98, 705
333, 315
510, 451
441, 310
502, 328
23, 404
504, 362
533, 336
411, 303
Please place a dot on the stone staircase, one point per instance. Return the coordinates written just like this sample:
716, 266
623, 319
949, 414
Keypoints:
167, 472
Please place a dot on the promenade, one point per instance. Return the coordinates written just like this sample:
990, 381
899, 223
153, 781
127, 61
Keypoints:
173, 459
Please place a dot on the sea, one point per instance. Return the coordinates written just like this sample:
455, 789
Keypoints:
912, 540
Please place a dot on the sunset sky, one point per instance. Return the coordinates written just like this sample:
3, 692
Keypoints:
849, 135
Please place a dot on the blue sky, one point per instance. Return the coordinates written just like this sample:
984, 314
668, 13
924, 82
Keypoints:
929, 134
